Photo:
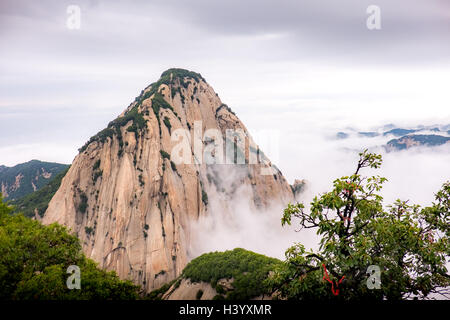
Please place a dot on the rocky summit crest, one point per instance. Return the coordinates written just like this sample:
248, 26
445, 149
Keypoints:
132, 203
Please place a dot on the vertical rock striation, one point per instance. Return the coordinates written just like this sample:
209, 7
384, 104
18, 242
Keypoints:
131, 203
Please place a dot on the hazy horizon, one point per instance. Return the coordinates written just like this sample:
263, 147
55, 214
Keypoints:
301, 59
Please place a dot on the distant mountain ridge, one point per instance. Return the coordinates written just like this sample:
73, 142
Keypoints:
33, 205
25, 178
409, 141
405, 138
399, 132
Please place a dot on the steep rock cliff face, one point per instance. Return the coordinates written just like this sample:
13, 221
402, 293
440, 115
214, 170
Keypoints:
131, 203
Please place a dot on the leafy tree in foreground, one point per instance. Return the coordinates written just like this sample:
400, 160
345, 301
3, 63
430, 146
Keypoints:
34, 259
409, 244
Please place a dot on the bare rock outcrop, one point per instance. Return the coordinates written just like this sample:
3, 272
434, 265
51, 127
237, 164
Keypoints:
128, 198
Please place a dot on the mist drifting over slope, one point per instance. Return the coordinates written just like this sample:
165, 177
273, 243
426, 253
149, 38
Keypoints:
233, 221
309, 149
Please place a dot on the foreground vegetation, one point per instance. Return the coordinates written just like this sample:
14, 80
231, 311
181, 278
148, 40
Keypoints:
244, 271
367, 251
34, 259
409, 245
247, 269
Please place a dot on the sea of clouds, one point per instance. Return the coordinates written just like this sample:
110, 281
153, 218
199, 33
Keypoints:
310, 150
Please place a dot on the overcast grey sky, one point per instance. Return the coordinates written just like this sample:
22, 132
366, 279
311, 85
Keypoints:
308, 63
